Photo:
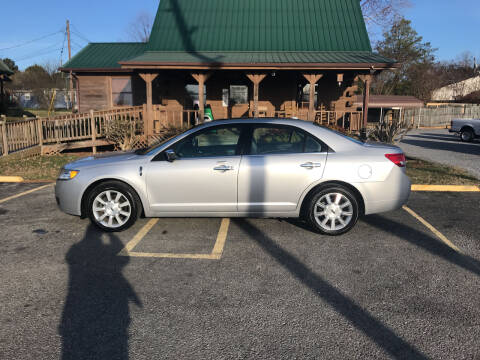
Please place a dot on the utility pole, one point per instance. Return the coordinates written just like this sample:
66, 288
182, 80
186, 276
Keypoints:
69, 58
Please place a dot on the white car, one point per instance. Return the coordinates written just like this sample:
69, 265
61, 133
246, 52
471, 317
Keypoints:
280, 168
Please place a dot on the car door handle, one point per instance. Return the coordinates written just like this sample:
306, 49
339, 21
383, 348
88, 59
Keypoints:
311, 165
223, 168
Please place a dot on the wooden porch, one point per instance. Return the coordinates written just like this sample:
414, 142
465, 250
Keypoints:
56, 134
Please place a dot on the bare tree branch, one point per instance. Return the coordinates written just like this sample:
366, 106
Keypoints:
382, 12
140, 28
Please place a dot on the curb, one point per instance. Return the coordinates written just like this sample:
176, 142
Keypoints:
11, 179
446, 188
433, 128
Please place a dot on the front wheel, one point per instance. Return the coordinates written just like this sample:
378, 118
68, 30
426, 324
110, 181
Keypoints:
467, 135
333, 210
113, 206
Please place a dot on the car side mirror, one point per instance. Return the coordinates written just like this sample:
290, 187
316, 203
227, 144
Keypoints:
170, 155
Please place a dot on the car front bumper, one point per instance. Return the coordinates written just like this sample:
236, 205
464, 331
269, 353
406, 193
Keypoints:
68, 194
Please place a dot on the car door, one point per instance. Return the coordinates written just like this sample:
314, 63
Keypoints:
203, 179
280, 164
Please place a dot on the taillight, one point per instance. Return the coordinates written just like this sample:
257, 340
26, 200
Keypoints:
397, 159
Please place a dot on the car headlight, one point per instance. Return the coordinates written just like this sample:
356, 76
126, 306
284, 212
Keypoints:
66, 174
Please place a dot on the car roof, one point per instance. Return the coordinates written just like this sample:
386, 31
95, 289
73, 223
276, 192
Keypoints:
333, 139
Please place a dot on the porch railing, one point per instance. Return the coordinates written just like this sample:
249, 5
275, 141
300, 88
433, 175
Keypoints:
89, 128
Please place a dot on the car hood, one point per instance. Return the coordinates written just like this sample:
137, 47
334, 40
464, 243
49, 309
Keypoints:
103, 159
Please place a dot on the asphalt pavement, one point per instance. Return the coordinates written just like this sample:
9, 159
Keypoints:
443, 147
388, 289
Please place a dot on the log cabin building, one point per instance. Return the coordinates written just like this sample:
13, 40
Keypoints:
241, 58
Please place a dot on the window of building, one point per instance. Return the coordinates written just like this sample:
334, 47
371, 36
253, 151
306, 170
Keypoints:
238, 94
122, 92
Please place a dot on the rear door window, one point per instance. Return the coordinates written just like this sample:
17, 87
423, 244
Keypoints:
276, 140
270, 140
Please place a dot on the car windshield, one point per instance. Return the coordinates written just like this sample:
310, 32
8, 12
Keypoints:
355, 140
156, 145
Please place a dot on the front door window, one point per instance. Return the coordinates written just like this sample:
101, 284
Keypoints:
215, 142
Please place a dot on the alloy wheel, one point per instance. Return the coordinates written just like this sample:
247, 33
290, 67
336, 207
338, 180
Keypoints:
333, 212
111, 209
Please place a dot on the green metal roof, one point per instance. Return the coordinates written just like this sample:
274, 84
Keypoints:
4, 69
243, 32
260, 57
104, 55
259, 25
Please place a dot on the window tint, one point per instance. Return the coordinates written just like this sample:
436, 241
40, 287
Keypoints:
312, 145
211, 142
273, 140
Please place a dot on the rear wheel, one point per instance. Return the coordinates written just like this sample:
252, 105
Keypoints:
467, 135
333, 210
113, 206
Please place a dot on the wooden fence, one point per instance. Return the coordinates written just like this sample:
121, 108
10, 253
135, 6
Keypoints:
440, 115
71, 131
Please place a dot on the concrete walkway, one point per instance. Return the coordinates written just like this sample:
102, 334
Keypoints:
443, 147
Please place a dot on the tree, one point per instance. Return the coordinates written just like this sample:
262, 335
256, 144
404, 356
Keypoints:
141, 27
416, 58
11, 64
382, 12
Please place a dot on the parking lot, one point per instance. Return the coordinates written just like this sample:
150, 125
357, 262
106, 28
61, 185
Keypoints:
394, 287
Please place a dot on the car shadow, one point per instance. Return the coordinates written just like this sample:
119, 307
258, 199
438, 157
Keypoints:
95, 319
361, 319
458, 147
445, 137
424, 241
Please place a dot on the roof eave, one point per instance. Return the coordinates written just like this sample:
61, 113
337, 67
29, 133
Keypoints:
134, 65
99, 70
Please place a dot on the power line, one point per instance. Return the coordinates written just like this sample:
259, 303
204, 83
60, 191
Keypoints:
30, 41
45, 51
78, 33
63, 47
37, 55
77, 45
47, 48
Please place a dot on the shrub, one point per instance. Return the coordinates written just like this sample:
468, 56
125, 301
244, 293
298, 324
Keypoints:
387, 131
124, 133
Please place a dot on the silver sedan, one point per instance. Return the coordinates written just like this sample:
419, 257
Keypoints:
279, 168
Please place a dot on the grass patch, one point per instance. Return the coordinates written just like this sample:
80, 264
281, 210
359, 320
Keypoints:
37, 168
44, 113
423, 172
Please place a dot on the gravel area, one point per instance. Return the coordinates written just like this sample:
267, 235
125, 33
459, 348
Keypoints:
443, 147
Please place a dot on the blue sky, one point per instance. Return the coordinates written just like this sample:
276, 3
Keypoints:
451, 26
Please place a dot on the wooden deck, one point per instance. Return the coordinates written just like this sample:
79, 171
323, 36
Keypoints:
75, 131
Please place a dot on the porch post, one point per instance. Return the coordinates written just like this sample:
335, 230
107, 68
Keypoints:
366, 102
256, 79
148, 117
312, 80
201, 79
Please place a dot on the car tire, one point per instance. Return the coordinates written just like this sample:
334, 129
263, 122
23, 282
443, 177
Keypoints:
113, 206
332, 210
467, 135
